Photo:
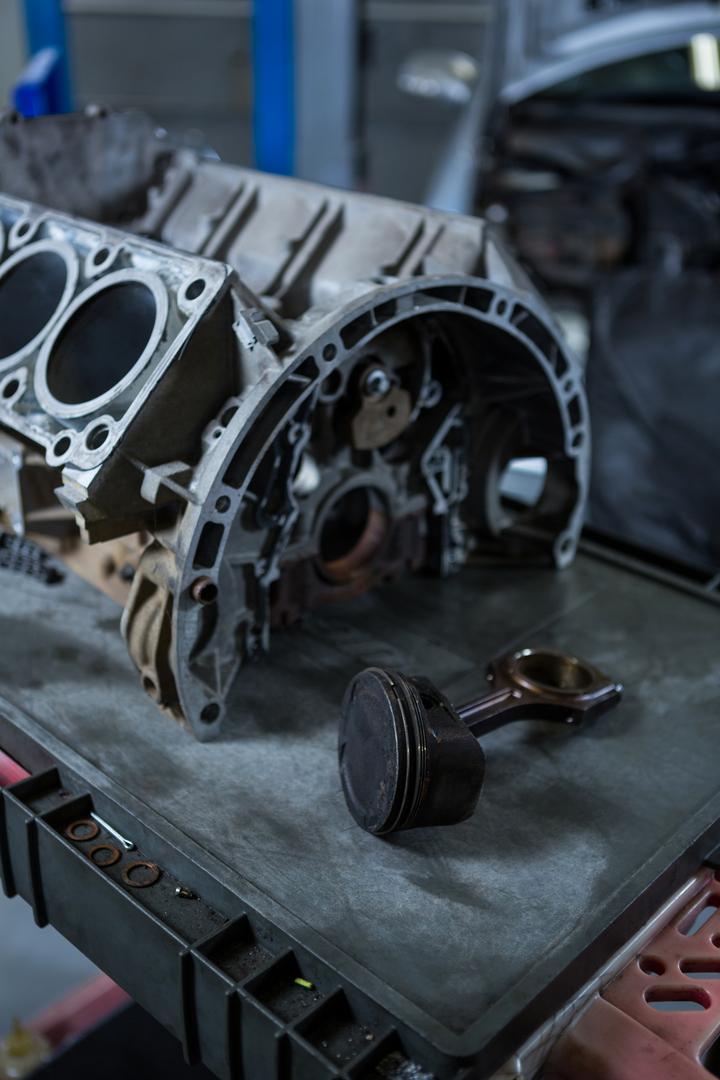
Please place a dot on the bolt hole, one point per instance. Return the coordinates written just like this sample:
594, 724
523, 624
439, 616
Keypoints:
222, 505
62, 445
10, 388
195, 288
204, 591
329, 353
97, 437
210, 713
501, 307
391, 410
24, 229
100, 255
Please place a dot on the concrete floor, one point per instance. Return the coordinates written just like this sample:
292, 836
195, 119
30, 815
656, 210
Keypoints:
36, 966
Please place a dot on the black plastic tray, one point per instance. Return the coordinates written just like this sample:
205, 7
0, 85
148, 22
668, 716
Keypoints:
443, 947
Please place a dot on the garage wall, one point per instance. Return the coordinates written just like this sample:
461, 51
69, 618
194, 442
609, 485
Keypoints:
185, 62
12, 47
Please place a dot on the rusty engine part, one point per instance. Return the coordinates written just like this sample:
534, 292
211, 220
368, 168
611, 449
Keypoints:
409, 759
294, 393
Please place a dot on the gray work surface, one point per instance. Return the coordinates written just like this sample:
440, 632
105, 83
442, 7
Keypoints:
457, 927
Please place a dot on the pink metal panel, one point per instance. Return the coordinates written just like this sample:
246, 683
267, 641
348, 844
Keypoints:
10, 771
673, 986
79, 1010
607, 1044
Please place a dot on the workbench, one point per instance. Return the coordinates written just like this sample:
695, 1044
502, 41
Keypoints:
442, 947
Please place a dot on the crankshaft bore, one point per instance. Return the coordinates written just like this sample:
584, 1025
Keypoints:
408, 758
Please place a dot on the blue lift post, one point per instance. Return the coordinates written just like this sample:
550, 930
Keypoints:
274, 85
44, 86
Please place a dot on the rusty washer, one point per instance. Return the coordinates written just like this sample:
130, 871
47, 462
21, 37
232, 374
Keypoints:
114, 855
72, 830
153, 870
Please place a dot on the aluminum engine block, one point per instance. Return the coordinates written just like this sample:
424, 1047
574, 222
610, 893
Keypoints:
291, 393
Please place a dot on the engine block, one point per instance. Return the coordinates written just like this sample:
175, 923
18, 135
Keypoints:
290, 393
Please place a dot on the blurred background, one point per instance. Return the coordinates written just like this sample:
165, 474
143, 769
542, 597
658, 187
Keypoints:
586, 130
588, 133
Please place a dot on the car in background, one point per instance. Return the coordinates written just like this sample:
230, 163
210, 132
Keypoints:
589, 133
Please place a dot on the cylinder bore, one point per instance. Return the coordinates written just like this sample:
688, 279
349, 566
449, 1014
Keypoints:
31, 291
101, 342
352, 532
